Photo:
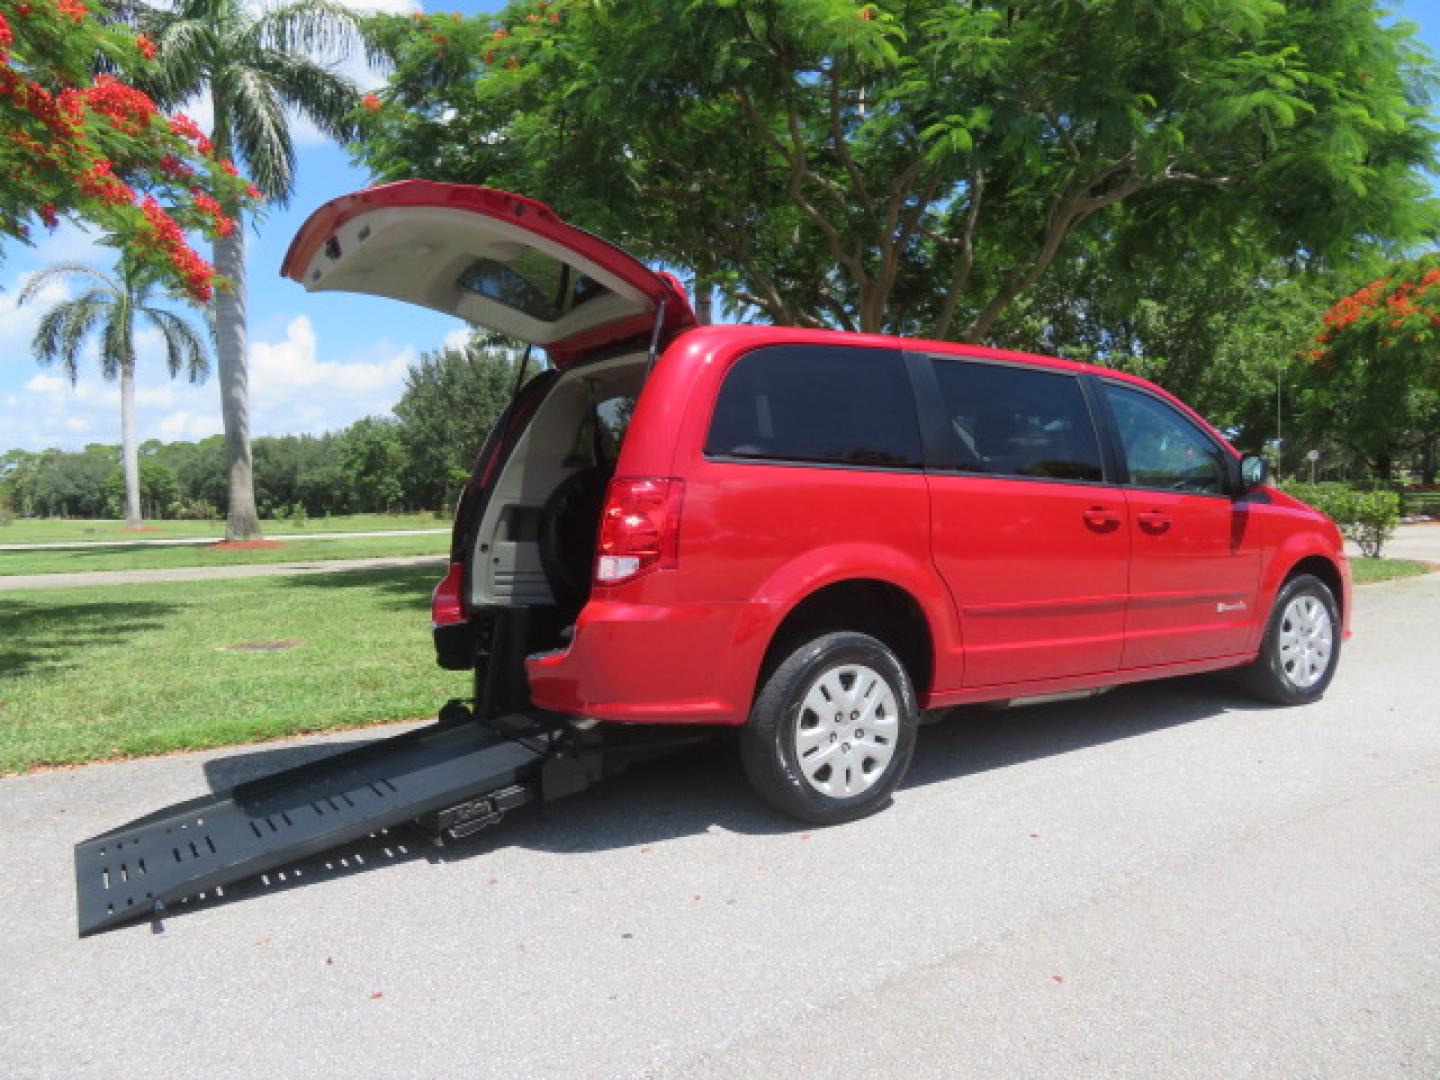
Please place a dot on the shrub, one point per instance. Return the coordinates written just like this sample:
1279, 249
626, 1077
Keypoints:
183, 509
7, 516
1366, 517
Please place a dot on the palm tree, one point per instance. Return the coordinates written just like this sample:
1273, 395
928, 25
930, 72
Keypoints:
260, 67
112, 303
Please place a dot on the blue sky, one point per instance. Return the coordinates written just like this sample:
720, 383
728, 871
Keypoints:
318, 362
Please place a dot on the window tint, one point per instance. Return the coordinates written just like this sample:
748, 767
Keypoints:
848, 406
1018, 421
534, 283
598, 439
1163, 449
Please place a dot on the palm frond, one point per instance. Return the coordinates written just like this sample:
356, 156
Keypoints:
184, 47
314, 91
256, 118
37, 281
61, 332
327, 31
117, 340
184, 347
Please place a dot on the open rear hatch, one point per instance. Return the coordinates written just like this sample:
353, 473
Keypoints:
489, 257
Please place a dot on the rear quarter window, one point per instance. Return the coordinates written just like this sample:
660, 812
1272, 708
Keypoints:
817, 404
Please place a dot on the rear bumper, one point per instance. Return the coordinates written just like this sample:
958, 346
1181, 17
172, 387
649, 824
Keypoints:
656, 664
454, 645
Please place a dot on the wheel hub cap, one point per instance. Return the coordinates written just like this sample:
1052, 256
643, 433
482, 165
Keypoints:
846, 730
1306, 641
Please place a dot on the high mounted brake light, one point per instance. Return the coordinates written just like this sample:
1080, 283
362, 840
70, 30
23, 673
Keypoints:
639, 528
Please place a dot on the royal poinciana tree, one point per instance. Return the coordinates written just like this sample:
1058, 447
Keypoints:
1374, 382
260, 67
916, 165
94, 149
108, 307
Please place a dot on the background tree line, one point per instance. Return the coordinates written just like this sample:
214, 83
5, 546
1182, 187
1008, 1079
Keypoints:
415, 459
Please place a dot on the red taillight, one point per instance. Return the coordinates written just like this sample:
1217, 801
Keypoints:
639, 528
447, 603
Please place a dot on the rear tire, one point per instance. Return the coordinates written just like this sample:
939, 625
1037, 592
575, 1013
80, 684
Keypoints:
1301, 647
832, 730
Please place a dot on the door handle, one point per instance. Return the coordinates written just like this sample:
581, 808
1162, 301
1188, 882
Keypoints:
1153, 520
1101, 517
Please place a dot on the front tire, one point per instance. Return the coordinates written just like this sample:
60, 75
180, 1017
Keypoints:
832, 730
1301, 647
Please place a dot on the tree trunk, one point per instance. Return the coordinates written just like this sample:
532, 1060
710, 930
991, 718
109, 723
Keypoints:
243, 522
130, 448
704, 300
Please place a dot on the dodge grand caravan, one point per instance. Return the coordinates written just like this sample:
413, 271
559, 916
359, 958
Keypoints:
814, 536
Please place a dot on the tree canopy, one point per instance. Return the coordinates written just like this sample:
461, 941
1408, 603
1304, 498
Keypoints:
92, 147
1374, 378
452, 398
916, 166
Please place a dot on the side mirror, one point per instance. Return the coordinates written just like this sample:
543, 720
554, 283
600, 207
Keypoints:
1254, 471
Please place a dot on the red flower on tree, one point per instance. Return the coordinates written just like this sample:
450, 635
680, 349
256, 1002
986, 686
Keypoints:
371, 103
1395, 317
80, 145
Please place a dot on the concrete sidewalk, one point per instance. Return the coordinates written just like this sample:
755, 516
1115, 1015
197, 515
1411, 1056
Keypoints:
108, 578
85, 545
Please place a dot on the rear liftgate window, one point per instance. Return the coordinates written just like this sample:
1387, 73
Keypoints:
1014, 421
534, 283
822, 404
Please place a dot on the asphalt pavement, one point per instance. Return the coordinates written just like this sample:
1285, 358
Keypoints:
1169, 880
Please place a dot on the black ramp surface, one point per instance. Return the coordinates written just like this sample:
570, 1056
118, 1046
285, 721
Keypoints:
121, 875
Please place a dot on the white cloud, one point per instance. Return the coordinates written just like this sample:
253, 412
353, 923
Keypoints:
158, 397
17, 324
294, 388
457, 339
45, 384
188, 425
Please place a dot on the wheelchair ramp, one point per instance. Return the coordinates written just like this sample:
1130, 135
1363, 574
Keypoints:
135, 871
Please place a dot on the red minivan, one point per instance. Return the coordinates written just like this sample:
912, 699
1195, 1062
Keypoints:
811, 535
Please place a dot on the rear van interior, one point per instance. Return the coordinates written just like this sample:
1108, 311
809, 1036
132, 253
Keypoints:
534, 545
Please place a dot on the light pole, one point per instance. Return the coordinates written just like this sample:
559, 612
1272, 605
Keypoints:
1279, 435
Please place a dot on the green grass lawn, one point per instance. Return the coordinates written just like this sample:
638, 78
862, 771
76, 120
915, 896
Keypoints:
1369, 571
78, 560
56, 531
146, 669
